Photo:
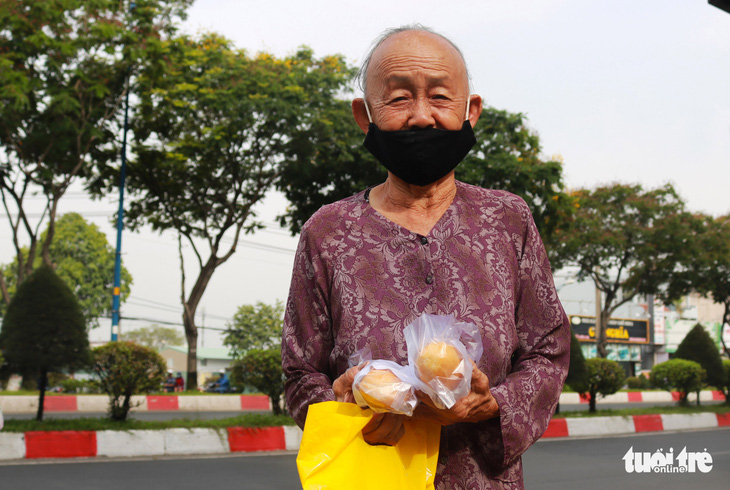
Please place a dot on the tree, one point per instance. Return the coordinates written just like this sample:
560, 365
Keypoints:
678, 374
327, 162
155, 337
257, 326
507, 156
699, 347
710, 265
261, 368
628, 241
577, 377
85, 262
210, 132
605, 377
726, 386
125, 369
63, 68
43, 330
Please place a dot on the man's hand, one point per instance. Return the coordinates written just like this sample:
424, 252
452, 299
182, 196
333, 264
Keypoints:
343, 385
477, 406
383, 428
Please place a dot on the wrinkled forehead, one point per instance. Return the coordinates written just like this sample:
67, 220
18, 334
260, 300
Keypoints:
416, 49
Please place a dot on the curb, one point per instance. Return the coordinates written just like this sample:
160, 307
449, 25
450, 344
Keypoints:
168, 442
144, 403
85, 444
632, 424
642, 397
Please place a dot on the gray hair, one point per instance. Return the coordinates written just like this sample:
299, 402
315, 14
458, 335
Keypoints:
361, 76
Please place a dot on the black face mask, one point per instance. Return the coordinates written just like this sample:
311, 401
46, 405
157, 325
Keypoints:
420, 156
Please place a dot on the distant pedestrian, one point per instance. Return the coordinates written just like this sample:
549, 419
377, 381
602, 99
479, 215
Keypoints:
179, 383
169, 382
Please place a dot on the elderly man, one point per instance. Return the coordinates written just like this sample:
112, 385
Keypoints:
422, 242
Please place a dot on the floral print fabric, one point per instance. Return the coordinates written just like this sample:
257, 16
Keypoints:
359, 279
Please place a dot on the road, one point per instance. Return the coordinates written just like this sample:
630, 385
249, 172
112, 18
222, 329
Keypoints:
594, 463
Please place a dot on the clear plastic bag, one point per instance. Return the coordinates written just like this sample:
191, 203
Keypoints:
385, 386
440, 350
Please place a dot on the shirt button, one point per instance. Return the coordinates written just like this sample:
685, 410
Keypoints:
429, 279
424, 241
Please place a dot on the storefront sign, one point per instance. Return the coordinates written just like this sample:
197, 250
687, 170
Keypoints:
619, 330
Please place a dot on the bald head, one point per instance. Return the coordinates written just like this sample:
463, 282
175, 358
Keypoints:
415, 78
411, 34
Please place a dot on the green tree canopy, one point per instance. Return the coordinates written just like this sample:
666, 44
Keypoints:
629, 241
605, 377
43, 330
155, 337
261, 368
85, 262
256, 326
577, 377
678, 374
125, 369
709, 265
63, 67
211, 129
699, 347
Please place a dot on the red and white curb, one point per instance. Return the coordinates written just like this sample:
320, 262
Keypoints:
111, 443
597, 426
642, 397
148, 403
78, 444
232, 403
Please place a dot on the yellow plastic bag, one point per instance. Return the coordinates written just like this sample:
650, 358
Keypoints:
334, 455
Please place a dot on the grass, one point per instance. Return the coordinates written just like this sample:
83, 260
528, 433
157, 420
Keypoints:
626, 412
270, 420
243, 420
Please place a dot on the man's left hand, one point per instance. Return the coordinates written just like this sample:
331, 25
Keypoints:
477, 406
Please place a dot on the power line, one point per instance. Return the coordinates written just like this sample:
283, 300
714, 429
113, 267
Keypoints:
164, 322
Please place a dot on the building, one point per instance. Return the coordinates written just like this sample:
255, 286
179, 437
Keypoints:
639, 335
210, 361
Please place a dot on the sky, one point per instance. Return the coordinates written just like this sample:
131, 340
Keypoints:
624, 91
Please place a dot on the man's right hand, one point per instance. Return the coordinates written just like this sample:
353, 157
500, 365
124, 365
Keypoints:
343, 385
383, 428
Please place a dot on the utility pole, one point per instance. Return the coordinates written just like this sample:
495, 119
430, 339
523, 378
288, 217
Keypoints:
120, 214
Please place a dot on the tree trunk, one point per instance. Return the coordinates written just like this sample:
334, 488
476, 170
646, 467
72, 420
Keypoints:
42, 395
191, 334
592, 402
725, 321
275, 400
190, 306
4, 294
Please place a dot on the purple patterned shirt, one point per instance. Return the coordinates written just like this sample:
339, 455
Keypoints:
359, 279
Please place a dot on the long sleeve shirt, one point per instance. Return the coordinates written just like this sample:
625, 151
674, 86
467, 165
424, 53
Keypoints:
359, 279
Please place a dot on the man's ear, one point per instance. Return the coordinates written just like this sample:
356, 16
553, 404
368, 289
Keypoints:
360, 114
475, 109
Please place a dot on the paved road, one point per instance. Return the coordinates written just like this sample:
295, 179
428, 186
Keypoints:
550, 464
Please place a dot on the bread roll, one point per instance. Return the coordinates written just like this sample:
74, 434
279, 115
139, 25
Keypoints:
380, 388
438, 360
